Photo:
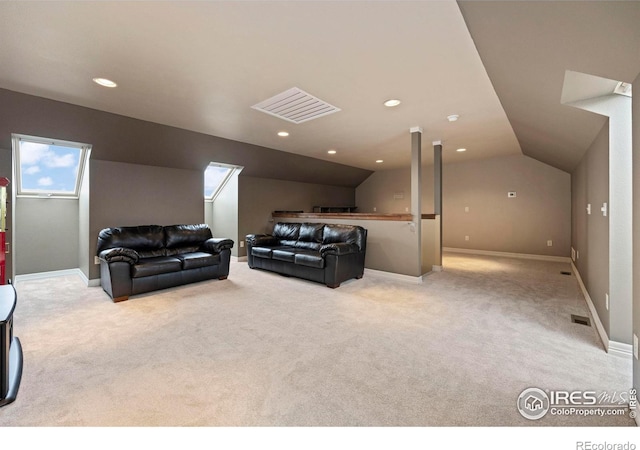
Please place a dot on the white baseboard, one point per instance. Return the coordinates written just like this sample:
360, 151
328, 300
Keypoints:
437, 268
621, 349
393, 276
612, 347
52, 274
239, 258
563, 259
58, 273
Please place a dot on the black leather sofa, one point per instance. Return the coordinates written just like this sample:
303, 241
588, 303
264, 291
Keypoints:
134, 260
325, 253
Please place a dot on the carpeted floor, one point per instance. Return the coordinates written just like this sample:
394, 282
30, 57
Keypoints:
260, 349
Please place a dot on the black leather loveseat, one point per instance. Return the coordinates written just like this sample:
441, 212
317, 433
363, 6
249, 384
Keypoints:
325, 253
145, 258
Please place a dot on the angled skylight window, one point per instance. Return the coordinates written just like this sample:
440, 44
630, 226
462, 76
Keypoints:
215, 177
48, 167
623, 89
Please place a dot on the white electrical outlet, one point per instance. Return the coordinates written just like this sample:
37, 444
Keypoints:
606, 301
375, 209
96, 260
406, 209
588, 208
604, 209
549, 243
635, 345
241, 244
466, 209
466, 238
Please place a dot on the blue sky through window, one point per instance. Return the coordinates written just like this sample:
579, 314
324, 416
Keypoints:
214, 176
48, 168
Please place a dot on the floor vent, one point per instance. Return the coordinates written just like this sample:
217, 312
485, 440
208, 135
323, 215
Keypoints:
565, 273
581, 320
295, 105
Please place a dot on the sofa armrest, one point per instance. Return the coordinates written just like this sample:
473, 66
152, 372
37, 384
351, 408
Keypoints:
117, 254
216, 245
259, 240
339, 248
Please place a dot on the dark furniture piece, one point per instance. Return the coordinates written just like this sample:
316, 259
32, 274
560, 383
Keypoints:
10, 348
334, 209
146, 258
325, 253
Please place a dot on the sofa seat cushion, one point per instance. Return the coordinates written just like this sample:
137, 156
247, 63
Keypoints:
284, 254
155, 266
309, 259
267, 252
262, 252
196, 260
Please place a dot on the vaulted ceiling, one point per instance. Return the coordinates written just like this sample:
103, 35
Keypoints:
202, 65
527, 49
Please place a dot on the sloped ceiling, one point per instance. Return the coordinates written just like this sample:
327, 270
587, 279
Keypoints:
201, 65
527, 47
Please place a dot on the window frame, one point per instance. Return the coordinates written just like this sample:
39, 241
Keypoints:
85, 150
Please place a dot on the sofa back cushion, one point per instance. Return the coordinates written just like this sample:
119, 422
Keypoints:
147, 240
310, 236
287, 232
186, 236
351, 234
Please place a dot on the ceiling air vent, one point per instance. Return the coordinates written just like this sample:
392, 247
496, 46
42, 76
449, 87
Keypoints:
295, 105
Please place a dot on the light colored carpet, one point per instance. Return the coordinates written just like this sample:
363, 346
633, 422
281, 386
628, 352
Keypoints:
260, 349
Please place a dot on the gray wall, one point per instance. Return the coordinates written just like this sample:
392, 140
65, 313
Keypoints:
46, 234
636, 228
590, 240
540, 212
131, 194
123, 139
392, 246
259, 197
143, 172
381, 192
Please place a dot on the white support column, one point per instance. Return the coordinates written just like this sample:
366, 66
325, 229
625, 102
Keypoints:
437, 200
416, 189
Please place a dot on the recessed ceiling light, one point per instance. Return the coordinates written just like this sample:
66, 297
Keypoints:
332, 152
283, 133
379, 161
105, 82
453, 117
461, 150
392, 102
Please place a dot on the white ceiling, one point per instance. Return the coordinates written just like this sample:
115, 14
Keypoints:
202, 65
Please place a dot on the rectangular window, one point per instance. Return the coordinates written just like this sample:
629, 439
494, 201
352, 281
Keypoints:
215, 177
48, 167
